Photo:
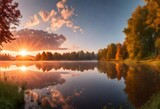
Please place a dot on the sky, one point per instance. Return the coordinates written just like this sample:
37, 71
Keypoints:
84, 24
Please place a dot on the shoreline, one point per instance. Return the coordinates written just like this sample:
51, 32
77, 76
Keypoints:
131, 62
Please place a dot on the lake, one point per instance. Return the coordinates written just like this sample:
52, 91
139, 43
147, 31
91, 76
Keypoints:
83, 84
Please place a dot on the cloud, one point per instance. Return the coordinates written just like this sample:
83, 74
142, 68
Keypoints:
35, 40
33, 21
67, 13
57, 20
61, 4
57, 23
45, 15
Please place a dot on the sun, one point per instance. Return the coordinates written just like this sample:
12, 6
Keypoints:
23, 52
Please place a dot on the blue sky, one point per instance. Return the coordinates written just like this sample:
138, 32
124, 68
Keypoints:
101, 20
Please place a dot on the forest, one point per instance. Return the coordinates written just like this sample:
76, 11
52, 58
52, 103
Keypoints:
81, 55
142, 35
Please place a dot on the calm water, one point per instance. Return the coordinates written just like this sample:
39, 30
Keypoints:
82, 85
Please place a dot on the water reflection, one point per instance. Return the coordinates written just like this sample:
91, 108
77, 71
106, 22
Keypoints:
32, 73
83, 85
112, 70
23, 68
141, 81
50, 98
56, 65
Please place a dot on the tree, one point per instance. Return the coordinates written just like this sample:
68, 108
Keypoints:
43, 56
9, 19
111, 51
119, 54
102, 54
139, 36
49, 56
156, 1
38, 56
157, 46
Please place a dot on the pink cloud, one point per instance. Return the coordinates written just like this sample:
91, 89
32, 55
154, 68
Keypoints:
57, 23
33, 21
67, 13
56, 20
61, 4
35, 40
45, 15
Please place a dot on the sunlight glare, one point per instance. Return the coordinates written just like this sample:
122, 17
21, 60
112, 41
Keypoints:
23, 53
23, 68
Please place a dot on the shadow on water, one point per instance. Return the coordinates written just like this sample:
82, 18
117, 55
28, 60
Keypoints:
77, 85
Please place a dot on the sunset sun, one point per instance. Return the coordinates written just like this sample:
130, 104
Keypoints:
23, 52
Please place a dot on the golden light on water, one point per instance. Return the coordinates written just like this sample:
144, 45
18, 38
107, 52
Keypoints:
23, 68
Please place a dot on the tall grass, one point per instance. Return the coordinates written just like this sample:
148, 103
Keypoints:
10, 96
153, 103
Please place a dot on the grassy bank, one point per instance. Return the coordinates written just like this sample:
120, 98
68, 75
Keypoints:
153, 103
11, 97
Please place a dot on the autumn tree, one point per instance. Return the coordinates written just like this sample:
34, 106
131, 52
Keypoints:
157, 47
142, 34
111, 51
143, 30
102, 54
124, 51
156, 1
138, 35
119, 54
9, 19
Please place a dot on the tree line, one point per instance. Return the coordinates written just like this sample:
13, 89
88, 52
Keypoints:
113, 51
81, 55
142, 35
5, 56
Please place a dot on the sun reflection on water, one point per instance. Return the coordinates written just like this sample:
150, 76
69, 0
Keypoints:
23, 68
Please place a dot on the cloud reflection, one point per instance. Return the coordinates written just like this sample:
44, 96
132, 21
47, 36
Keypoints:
51, 98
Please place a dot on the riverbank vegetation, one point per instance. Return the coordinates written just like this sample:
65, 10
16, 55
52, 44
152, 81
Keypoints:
11, 97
